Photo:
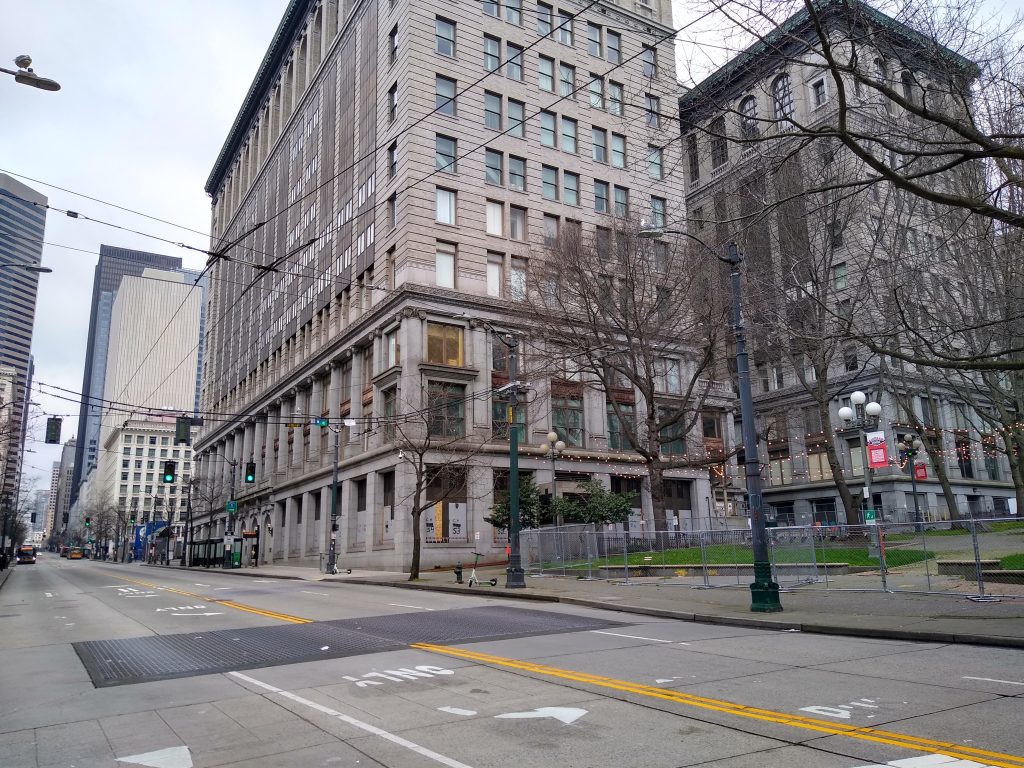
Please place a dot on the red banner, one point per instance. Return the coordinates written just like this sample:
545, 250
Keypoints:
920, 470
878, 455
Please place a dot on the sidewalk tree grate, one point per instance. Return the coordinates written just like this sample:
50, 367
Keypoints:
163, 657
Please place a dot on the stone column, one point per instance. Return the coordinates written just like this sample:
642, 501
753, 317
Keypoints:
259, 437
284, 413
315, 410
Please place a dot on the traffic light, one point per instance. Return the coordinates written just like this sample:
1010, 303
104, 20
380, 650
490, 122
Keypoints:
53, 430
183, 430
88, 522
250, 472
131, 520
169, 471
323, 421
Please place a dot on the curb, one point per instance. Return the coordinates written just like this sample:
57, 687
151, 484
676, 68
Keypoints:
4, 575
907, 635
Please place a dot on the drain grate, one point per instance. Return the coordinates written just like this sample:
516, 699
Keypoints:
163, 657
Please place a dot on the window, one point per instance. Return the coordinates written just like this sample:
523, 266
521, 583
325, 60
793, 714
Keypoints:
819, 94
516, 118
649, 61
613, 42
500, 423
748, 118
393, 160
392, 349
517, 278
655, 162
569, 142
444, 344
445, 152
495, 270
550, 229
840, 276
492, 54
618, 424
514, 67
544, 16
594, 40
492, 110
658, 211
392, 103
600, 197
547, 129
566, 80
444, 95
493, 162
782, 98
517, 223
596, 89
549, 182
448, 409
567, 419
392, 213
565, 28
622, 202
514, 12
446, 203
616, 96
517, 173
570, 188
444, 36
393, 43
719, 143
618, 150
444, 265
692, 158
667, 376
599, 137
653, 106
491, 7
546, 73
495, 218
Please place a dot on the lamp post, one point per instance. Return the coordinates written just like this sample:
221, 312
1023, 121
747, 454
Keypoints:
909, 447
764, 593
553, 449
25, 75
863, 416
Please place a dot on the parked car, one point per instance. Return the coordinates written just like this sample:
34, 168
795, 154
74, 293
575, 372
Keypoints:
64, 551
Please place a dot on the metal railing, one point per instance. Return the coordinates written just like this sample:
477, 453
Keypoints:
979, 558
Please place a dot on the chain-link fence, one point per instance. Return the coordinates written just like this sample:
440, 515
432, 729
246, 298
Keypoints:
975, 557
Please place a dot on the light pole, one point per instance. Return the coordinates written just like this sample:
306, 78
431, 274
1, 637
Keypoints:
863, 416
515, 578
764, 593
553, 449
25, 75
910, 447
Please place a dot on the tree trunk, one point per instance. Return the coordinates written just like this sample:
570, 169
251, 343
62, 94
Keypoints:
933, 445
1014, 445
655, 473
417, 513
852, 515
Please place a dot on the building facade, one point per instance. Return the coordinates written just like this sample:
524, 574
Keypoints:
22, 227
113, 265
62, 504
819, 244
386, 209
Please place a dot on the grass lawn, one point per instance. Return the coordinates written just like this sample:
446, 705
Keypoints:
726, 554
1016, 525
1012, 562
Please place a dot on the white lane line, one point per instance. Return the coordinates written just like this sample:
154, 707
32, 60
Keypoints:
263, 581
218, 589
48, 594
993, 680
631, 637
403, 605
202, 585
306, 591
411, 746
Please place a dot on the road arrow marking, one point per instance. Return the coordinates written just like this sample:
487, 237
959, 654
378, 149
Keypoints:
172, 757
457, 711
215, 613
993, 680
567, 715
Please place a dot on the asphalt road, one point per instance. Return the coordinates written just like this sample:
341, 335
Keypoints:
645, 693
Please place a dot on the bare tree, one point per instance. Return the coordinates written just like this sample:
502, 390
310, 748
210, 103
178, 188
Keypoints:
643, 321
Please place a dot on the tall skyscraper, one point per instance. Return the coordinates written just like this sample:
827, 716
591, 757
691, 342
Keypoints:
114, 264
22, 226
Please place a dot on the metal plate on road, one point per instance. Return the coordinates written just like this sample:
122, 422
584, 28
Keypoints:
163, 657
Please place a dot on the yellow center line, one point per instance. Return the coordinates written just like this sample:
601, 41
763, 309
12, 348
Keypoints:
226, 603
904, 741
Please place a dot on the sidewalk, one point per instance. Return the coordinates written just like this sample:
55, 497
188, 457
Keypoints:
900, 616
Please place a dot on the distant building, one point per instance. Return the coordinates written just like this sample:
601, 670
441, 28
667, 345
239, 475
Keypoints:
22, 227
51, 505
62, 504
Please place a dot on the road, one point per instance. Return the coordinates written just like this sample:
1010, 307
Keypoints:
115, 665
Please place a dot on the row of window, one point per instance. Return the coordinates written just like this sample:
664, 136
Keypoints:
125, 464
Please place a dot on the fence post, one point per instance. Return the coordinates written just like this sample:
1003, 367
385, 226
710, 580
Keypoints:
625, 554
977, 556
704, 558
924, 551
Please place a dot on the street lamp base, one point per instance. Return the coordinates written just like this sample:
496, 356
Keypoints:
515, 578
764, 593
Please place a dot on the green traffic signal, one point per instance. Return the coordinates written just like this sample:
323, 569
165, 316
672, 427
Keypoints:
323, 421
169, 471
88, 522
250, 472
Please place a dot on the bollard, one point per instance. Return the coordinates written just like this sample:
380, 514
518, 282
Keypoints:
458, 573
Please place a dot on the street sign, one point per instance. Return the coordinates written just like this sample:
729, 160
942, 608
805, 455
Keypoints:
232, 506
920, 471
877, 453
869, 516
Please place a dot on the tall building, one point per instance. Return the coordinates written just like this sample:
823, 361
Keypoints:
113, 265
51, 501
22, 226
62, 503
820, 234
393, 207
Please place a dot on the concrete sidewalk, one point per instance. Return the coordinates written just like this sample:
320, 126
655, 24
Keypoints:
901, 616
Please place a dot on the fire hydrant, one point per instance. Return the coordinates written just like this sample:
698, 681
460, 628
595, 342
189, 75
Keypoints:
458, 572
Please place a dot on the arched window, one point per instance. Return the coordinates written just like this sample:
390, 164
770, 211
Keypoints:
748, 118
782, 98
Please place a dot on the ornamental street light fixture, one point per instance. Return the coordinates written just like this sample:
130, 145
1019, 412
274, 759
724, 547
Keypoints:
552, 450
764, 593
863, 416
909, 448
25, 75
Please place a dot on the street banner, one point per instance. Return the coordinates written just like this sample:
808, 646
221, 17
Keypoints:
920, 471
878, 455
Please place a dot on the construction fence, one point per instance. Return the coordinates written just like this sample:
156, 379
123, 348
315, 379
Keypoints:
973, 557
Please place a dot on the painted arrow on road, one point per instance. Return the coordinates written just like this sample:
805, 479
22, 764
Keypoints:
172, 757
215, 613
567, 715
